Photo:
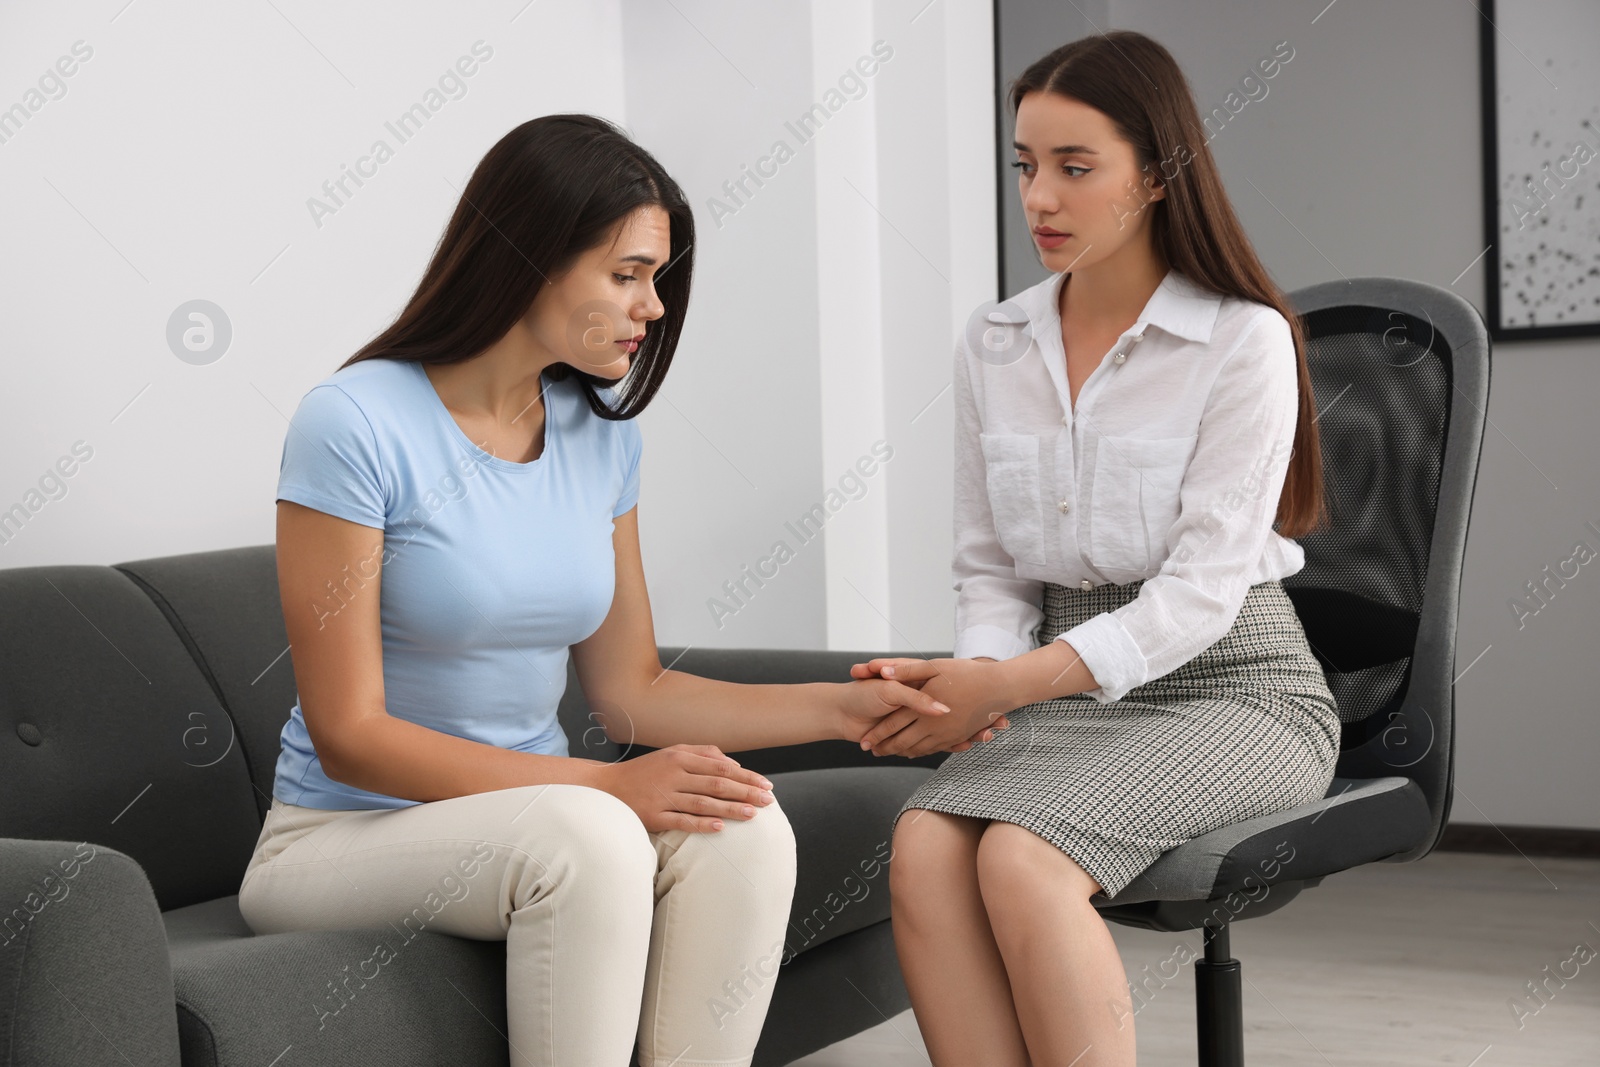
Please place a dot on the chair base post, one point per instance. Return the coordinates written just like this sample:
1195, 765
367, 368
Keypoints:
1219, 1003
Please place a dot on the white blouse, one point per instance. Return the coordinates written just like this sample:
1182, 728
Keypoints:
1169, 469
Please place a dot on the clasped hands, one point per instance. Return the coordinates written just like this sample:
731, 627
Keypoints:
971, 689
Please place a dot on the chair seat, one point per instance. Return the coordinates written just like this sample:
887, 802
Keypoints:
1358, 821
440, 999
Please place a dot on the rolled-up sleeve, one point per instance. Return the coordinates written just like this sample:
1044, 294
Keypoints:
1229, 501
996, 612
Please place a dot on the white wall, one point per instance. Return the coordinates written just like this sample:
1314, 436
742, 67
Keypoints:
178, 166
827, 299
179, 163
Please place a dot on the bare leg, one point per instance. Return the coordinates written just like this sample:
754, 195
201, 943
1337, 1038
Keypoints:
952, 966
1072, 992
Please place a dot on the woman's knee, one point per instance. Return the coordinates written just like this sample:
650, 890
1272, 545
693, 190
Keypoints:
1013, 862
762, 848
576, 829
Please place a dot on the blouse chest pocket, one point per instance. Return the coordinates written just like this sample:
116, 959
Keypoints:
1136, 500
1011, 464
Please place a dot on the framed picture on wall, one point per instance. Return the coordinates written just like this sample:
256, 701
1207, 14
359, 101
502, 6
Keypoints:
1541, 142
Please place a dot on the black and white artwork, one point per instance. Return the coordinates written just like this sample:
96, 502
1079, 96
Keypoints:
1541, 128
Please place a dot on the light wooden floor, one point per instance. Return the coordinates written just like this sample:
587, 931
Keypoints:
1392, 964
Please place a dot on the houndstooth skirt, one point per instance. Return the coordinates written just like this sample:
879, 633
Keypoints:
1246, 728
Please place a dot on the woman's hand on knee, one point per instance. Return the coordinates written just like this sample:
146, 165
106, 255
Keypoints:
687, 787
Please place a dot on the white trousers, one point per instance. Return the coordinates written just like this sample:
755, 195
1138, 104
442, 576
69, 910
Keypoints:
612, 932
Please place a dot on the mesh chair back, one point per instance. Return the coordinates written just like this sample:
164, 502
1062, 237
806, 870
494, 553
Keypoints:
1400, 371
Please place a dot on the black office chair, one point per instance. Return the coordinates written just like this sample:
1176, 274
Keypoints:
1401, 377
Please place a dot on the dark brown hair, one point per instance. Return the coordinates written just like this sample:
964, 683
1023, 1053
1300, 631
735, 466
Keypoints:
548, 191
1136, 83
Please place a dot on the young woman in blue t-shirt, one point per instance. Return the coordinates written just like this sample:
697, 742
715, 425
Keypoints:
478, 461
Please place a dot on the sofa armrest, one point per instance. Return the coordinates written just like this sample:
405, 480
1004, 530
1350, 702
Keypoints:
788, 666
84, 973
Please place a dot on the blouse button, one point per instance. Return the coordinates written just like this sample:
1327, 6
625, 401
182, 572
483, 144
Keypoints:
1062, 505
1086, 585
1120, 357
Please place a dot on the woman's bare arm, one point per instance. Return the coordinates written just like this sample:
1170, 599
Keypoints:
638, 702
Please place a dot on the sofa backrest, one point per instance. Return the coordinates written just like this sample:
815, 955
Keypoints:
109, 733
141, 707
224, 607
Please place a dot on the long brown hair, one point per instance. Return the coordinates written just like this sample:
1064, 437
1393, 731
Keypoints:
548, 191
1137, 84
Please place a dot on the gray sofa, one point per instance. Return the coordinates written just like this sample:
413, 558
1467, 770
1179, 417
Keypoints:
142, 704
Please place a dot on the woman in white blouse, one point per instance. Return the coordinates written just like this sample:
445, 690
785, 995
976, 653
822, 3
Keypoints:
1128, 432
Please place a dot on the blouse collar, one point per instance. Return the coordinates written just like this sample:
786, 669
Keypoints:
1178, 306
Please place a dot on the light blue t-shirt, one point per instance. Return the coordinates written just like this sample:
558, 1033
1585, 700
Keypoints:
490, 568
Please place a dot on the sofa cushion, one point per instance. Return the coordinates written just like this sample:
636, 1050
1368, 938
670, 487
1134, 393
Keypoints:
110, 734
331, 996
843, 820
